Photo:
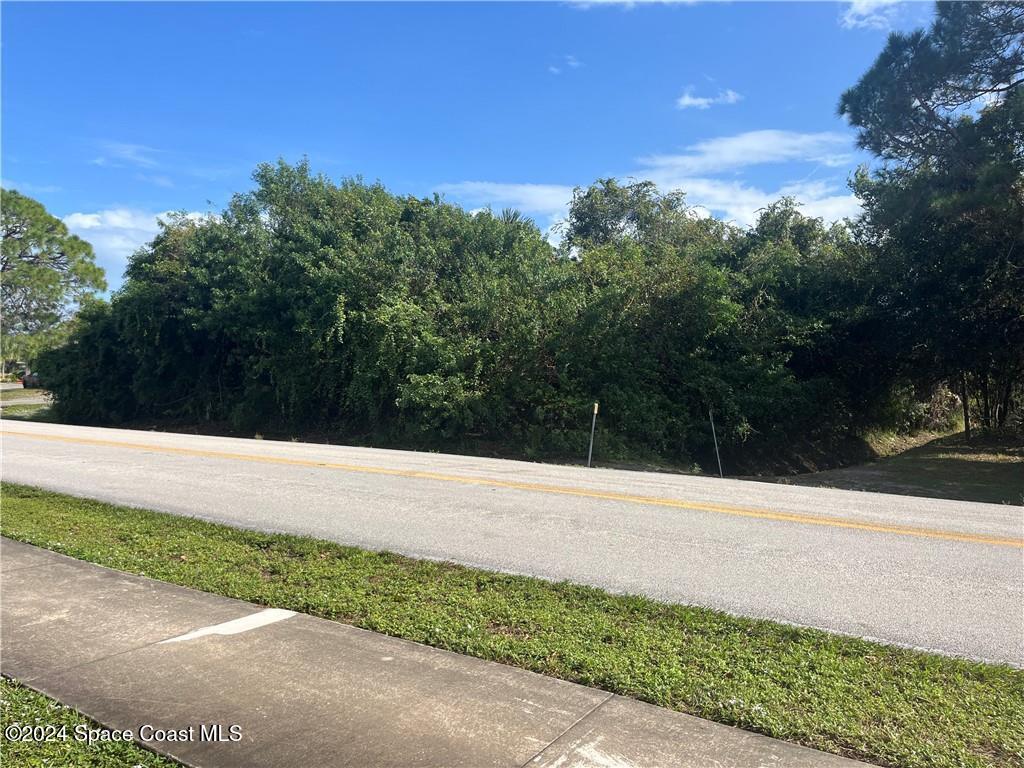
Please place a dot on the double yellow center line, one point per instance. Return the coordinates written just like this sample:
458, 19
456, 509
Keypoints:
762, 514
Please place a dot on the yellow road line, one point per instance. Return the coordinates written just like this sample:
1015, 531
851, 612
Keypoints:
762, 514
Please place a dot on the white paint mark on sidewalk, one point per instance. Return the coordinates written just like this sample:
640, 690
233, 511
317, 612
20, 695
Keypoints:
236, 626
592, 755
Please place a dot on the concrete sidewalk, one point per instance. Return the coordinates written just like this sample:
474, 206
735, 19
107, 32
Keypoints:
132, 652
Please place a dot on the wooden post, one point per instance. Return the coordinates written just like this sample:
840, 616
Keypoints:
593, 426
714, 436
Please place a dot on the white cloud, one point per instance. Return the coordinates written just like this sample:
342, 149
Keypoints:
754, 148
116, 233
739, 201
865, 14
870, 14
551, 201
831, 206
694, 173
548, 204
689, 101
120, 154
732, 200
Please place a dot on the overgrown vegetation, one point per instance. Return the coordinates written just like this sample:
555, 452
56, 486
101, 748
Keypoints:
309, 306
844, 695
944, 216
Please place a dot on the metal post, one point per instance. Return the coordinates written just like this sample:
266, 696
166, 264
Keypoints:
593, 425
715, 438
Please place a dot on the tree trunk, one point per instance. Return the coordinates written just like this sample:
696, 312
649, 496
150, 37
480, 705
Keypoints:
967, 406
986, 412
1004, 406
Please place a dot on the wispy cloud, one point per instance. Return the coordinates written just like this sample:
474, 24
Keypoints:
26, 187
698, 172
156, 178
120, 154
726, 153
165, 168
565, 63
584, 5
690, 101
870, 14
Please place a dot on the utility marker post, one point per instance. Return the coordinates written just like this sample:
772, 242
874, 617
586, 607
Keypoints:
593, 426
715, 438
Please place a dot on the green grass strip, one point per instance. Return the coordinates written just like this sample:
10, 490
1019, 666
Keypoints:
53, 744
852, 697
13, 395
27, 412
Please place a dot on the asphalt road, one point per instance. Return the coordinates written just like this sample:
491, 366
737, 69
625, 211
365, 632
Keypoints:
946, 576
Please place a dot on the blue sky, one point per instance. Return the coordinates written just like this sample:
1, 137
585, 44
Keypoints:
116, 113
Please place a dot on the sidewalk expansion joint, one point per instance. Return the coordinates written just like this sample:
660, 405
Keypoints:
579, 720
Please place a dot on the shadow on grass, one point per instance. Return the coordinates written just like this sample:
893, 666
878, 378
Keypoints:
28, 412
990, 469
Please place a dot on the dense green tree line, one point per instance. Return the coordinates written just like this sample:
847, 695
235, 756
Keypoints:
309, 306
944, 215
